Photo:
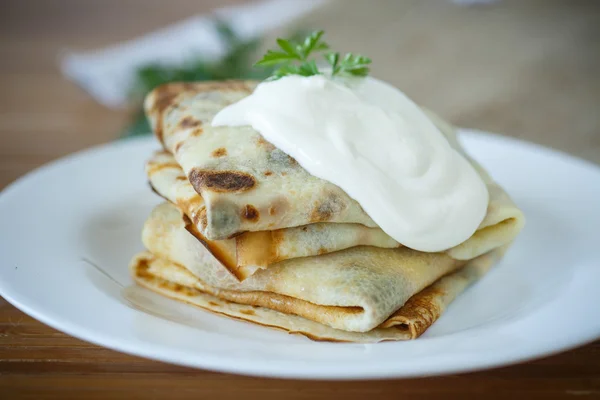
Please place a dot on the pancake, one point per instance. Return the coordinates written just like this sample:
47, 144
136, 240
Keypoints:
248, 233
246, 184
356, 289
249, 251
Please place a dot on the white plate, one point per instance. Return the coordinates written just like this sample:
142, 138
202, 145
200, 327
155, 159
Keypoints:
89, 208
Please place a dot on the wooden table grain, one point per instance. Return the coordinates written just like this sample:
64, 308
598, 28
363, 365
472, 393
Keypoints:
43, 117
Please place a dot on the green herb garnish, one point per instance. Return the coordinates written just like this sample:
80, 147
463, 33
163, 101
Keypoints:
295, 59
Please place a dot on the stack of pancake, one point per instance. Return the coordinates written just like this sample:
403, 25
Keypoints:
246, 232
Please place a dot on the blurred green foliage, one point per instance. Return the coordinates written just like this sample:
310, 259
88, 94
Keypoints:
236, 64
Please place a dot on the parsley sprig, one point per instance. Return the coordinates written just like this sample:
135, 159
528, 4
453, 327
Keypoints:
295, 59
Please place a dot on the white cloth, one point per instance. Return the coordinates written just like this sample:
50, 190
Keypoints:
108, 74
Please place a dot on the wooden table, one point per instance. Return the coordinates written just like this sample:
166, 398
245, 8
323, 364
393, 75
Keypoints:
43, 117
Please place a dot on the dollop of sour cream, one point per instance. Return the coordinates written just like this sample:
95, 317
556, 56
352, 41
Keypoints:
371, 140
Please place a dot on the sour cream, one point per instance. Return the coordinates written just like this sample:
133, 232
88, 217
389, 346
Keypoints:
371, 140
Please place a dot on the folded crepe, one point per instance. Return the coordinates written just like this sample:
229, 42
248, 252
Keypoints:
245, 182
247, 252
248, 233
361, 294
